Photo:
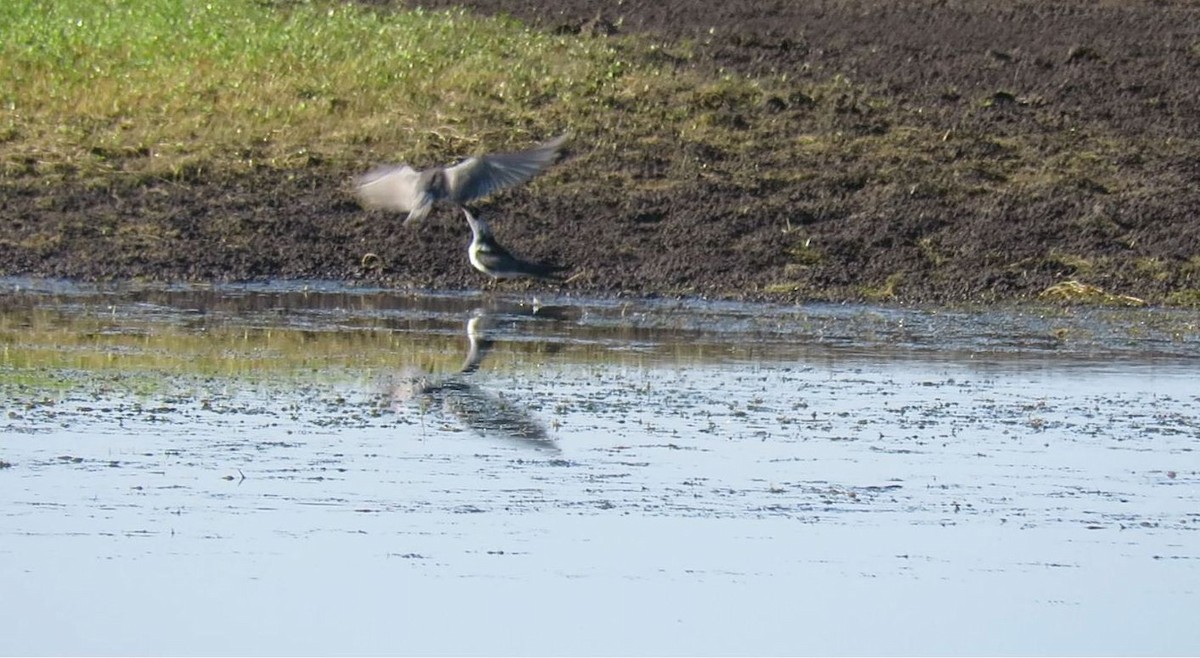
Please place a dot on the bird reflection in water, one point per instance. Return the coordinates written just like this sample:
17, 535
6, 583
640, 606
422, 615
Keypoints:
482, 411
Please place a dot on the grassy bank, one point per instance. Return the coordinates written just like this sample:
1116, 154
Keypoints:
161, 86
841, 189
168, 88
173, 87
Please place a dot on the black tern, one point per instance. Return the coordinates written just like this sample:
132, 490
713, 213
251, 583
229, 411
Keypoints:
489, 257
404, 189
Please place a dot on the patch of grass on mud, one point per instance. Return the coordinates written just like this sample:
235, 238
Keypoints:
172, 86
1082, 293
197, 91
185, 88
1188, 297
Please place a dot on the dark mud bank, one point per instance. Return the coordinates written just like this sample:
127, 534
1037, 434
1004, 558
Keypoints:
964, 227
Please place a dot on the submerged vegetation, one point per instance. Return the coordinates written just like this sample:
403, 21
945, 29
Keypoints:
38, 342
45, 349
190, 341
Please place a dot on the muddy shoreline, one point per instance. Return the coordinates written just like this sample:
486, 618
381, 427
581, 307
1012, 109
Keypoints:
996, 72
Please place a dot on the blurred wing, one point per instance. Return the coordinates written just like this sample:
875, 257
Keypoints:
476, 178
393, 187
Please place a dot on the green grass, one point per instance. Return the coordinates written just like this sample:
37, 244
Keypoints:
185, 87
170, 84
1186, 297
885, 291
161, 87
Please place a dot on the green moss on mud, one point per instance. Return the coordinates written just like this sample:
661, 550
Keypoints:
1188, 297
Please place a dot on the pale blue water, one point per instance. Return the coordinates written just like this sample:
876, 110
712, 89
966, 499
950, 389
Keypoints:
825, 480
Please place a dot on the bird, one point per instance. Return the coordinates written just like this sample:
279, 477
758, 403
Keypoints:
482, 411
489, 257
401, 188
478, 342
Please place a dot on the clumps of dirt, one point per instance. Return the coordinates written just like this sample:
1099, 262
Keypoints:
971, 151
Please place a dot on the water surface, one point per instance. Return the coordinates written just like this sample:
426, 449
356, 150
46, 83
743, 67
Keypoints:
308, 468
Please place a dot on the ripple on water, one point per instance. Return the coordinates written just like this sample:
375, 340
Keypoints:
687, 472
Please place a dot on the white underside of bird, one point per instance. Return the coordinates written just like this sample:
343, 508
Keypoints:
489, 257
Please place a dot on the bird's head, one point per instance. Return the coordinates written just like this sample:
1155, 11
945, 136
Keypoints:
478, 226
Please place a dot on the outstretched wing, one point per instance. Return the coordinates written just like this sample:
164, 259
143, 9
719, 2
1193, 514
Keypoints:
393, 187
475, 178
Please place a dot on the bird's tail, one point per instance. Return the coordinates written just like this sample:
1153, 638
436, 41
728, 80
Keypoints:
550, 272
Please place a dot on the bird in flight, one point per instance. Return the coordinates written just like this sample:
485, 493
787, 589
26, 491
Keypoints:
404, 189
489, 257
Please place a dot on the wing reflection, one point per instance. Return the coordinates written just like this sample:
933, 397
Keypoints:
483, 412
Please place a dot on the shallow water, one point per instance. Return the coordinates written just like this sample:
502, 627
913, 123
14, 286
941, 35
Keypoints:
607, 476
